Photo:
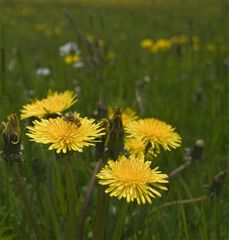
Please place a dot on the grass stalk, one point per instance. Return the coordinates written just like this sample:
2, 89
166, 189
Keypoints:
28, 205
120, 221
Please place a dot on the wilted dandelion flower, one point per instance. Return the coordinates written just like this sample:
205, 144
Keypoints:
133, 179
128, 115
155, 132
55, 103
66, 134
146, 43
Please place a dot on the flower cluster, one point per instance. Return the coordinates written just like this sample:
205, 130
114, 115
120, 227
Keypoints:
64, 132
130, 176
165, 44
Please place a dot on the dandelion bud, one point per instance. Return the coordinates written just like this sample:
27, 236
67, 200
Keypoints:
12, 141
216, 186
115, 143
101, 144
195, 153
101, 110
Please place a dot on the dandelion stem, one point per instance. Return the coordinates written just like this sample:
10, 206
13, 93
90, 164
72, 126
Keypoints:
22, 188
71, 198
179, 169
101, 214
120, 222
87, 198
139, 100
179, 202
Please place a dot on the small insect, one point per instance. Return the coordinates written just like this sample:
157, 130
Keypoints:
70, 117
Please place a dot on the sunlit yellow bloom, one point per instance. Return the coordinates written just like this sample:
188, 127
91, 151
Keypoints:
133, 179
155, 132
54, 103
65, 134
69, 59
128, 115
146, 43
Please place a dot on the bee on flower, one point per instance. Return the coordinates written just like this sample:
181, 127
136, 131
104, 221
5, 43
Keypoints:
68, 133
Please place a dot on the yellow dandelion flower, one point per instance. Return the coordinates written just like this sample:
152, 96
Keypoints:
161, 45
155, 132
65, 134
55, 103
128, 115
69, 59
133, 179
134, 146
146, 43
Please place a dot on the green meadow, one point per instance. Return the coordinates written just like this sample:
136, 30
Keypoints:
185, 84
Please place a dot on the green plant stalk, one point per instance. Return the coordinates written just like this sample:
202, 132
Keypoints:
71, 199
28, 206
3, 60
87, 199
120, 221
101, 214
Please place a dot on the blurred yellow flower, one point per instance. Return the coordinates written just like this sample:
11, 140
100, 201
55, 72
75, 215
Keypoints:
69, 59
146, 43
128, 115
161, 45
55, 103
65, 134
155, 132
180, 39
133, 179
101, 42
195, 47
210, 47
111, 55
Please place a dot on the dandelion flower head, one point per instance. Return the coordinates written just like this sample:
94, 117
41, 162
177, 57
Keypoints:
146, 43
155, 132
65, 134
133, 179
55, 103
